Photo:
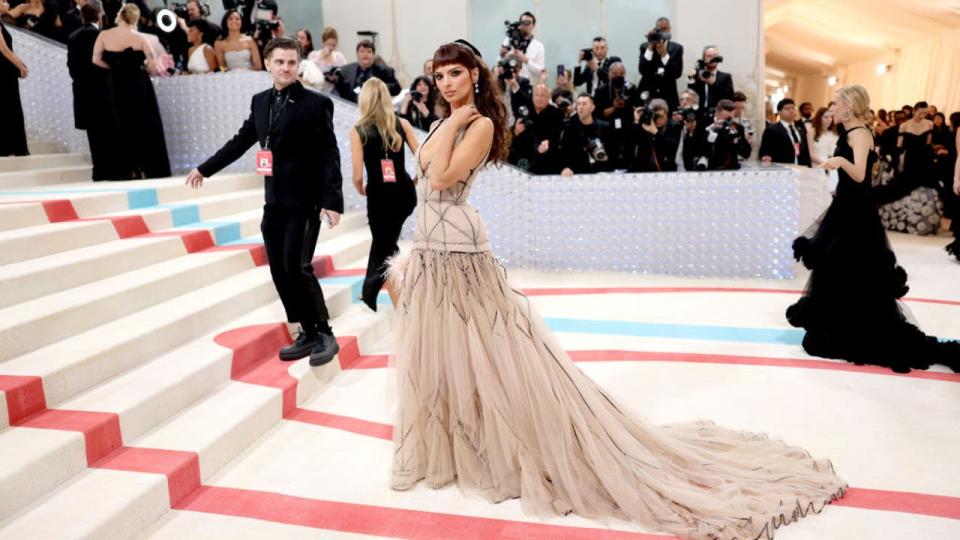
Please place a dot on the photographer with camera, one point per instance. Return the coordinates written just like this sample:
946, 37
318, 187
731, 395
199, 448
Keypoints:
661, 64
584, 142
593, 65
350, 78
521, 44
739, 116
652, 144
327, 58
725, 139
615, 101
536, 135
708, 81
515, 90
417, 104
689, 133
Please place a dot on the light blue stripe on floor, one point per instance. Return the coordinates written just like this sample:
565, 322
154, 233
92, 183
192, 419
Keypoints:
142, 198
224, 232
183, 214
677, 331
258, 239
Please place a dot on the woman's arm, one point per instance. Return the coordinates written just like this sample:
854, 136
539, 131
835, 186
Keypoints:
98, 53
356, 160
211, 58
8, 53
857, 170
450, 164
956, 167
218, 51
255, 55
410, 136
815, 157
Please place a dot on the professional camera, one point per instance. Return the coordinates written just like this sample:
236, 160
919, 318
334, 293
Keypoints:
689, 114
702, 163
507, 65
265, 18
656, 36
523, 116
180, 9
587, 54
595, 151
515, 36
563, 103
703, 67
332, 75
416, 97
646, 114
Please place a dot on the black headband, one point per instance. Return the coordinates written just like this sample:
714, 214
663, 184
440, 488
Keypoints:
468, 45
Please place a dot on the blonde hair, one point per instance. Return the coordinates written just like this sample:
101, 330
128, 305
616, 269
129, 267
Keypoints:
376, 113
129, 14
857, 99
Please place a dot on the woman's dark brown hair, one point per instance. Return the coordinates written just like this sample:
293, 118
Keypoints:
487, 101
818, 123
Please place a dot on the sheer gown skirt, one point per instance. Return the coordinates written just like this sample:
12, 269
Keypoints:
488, 399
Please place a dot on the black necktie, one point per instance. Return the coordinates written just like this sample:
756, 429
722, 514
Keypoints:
794, 135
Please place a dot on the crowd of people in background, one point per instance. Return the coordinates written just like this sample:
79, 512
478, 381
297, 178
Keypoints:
597, 117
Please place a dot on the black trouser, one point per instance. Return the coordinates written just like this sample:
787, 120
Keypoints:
387, 210
290, 237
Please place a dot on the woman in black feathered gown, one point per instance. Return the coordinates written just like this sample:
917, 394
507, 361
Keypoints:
850, 308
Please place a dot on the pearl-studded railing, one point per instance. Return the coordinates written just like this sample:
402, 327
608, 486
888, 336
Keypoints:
737, 224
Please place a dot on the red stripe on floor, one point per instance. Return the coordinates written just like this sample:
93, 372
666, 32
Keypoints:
257, 251
380, 520
344, 423
348, 272
59, 210
24, 396
126, 226
902, 501
101, 431
182, 469
349, 351
562, 291
193, 241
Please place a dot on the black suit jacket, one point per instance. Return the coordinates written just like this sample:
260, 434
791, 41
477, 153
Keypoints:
778, 144
306, 160
89, 80
721, 89
347, 81
662, 83
584, 75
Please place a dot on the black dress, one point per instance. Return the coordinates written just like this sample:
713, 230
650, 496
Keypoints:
13, 136
850, 309
142, 151
389, 204
917, 170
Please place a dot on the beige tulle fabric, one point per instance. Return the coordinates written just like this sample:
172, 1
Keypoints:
488, 399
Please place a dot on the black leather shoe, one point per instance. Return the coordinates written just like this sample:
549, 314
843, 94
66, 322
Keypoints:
326, 348
299, 348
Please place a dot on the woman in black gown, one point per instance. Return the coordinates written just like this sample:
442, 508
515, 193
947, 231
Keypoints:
13, 137
850, 309
376, 145
142, 148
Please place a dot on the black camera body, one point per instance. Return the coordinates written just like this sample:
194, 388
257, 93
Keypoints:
703, 68
180, 9
587, 54
689, 114
507, 65
416, 97
657, 36
515, 36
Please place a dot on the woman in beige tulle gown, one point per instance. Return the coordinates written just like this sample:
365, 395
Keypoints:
488, 399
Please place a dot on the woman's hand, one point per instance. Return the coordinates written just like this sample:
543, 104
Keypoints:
424, 111
358, 185
24, 71
832, 163
956, 184
463, 116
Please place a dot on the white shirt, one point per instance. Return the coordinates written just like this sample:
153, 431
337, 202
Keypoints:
536, 59
791, 131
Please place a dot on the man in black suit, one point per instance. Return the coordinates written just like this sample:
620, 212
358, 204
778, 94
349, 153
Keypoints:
91, 93
661, 64
596, 68
352, 76
709, 82
784, 141
300, 159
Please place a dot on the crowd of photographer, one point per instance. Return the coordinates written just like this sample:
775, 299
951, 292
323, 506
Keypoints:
597, 119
